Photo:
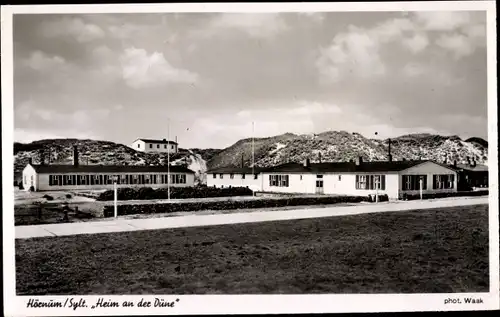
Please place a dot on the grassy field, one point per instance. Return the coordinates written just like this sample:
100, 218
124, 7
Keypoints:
441, 250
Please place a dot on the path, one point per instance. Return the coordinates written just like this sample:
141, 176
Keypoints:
120, 224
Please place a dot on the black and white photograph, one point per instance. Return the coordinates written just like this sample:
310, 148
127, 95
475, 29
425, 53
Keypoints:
169, 151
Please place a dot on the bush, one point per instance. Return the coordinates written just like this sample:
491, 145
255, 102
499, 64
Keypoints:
382, 197
146, 193
21, 185
444, 195
68, 196
48, 197
32, 188
229, 204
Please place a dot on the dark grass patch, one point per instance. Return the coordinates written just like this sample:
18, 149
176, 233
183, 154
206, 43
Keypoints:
423, 251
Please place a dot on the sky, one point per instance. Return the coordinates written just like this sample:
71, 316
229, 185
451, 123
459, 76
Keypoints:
205, 77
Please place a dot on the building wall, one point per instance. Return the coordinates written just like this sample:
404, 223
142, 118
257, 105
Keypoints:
155, 147
297, 183
430, 169
30, 178
236, 181
43, 184
346, 185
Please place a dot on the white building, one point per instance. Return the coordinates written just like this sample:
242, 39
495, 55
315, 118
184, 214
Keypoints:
43, 177
235, 177
359, 178
160, 146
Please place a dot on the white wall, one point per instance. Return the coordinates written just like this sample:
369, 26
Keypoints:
297, 183
144, 147
236, 181
346, 185
43, 184
429, 169
30, 178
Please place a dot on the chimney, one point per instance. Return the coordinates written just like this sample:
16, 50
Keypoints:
176, 139
389, 156
319, 157
75, 155
307, 163
359, 160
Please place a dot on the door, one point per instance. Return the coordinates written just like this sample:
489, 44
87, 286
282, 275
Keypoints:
319, 186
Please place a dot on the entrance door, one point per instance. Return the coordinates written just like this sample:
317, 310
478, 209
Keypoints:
319, 186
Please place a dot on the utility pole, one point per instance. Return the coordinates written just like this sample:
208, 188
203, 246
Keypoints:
253, 153
168, 159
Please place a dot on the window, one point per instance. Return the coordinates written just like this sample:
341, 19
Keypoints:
340, 178
215, 175
68, 179
138, 146
25, 180
242, 176
135, 179
82, 180
319, 184
172, 147
123, 179
255, 176
446, 181
370, 182
319, 176
278, 180
221, 176
412, 182
300, 177
151, 146
147, 179
231, 176
165, 146
157, 146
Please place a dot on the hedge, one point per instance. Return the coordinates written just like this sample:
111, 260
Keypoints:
108, 211
444, 195
146, 193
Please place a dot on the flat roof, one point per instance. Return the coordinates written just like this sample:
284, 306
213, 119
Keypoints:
65, 169
236, 170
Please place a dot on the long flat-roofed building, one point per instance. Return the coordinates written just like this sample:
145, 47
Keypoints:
43, 177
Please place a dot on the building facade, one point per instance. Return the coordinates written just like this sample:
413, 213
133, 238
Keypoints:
235, 177
355, 178
393, 178
158, 146
43, 177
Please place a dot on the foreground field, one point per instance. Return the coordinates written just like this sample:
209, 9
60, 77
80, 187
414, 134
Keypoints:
444, 250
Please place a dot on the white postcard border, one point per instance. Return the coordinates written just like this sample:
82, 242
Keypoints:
249, 304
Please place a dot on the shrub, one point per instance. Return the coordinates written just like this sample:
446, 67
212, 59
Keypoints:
382, 197
444, 195
229, 204
32, 188
48, 197
145, 193
21, 185
68, 196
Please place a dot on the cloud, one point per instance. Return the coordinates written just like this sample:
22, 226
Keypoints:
83, 32
316, 17
140, 69
40, 61
359, 51
417, 43
442, 20
261, 25
458, 44
355, 52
